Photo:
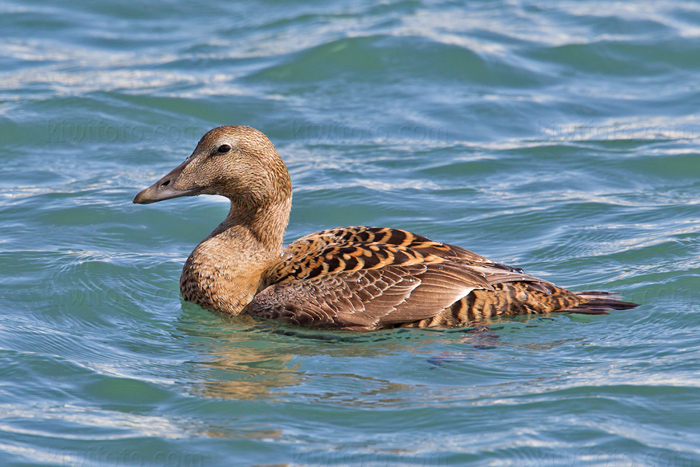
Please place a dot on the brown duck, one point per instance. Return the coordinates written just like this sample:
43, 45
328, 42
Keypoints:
359, 278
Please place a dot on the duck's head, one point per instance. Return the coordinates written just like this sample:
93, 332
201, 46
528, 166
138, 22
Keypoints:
238, 162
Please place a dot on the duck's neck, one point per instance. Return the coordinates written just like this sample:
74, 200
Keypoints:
251, 227
225, 271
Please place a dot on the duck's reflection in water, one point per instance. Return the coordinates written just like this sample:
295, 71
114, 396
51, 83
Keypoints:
241, 358
251, 359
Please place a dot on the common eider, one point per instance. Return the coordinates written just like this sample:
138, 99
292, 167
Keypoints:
358, 278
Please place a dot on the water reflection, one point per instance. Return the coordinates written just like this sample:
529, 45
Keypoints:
245, 359
248, 359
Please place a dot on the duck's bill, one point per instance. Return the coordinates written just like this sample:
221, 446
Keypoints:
165, 188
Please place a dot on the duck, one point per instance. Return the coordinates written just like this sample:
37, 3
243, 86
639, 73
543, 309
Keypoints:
355, 278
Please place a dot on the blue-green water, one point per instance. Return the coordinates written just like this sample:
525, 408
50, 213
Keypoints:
561, 137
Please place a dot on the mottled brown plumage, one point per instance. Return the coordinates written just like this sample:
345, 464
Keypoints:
359, 278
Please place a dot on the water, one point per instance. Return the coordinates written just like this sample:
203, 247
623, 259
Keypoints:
560, 137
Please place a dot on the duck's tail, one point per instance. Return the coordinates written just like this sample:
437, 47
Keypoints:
599, 303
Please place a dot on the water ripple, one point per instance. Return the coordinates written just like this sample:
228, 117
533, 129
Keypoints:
558, 137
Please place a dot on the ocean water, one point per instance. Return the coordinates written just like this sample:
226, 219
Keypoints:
560, 137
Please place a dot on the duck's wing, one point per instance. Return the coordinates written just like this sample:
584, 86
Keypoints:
362, 287
328, 281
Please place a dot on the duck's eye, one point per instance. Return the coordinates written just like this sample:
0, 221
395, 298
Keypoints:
224, 148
